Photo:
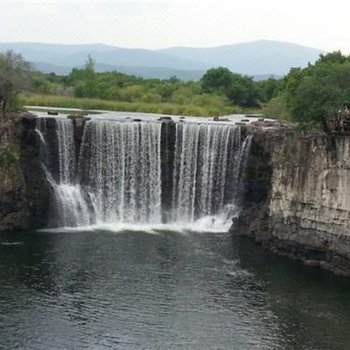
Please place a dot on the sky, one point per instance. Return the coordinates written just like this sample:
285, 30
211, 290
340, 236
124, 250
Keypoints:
158, 24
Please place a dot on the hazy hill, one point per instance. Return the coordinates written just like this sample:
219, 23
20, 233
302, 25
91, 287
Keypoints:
257, 58
144, 72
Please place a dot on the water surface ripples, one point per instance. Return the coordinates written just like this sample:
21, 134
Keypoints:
170, 290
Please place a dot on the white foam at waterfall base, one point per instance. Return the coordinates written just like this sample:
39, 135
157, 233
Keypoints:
219, 223
203, 225
71, 205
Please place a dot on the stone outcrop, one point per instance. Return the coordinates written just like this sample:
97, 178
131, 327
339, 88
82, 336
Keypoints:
14, 211
297, 196
24, 192
168, 138
78, 125
37, 187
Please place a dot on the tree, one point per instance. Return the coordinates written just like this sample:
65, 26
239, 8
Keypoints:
217, 80
14, 77
237, 88
320, 91
243, 91
268, 89
331, 57
89, 76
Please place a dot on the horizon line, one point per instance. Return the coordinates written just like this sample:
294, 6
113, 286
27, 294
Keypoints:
168, 47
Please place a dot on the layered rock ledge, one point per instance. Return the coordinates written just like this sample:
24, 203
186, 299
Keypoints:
296, 198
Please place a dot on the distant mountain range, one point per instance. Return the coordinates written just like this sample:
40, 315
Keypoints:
259, 58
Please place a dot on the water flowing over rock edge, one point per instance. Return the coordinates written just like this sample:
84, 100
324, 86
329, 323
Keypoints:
294, 201
142, 172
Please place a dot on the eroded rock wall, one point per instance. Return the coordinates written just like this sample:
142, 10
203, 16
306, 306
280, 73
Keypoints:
24, 192
297, 190
14, 212
37, 187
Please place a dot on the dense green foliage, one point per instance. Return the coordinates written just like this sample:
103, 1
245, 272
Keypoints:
319, 91
239, 89
312, 95
14, 76
276, 108
220, 92
269, 89
100, 104
309, 95
126, 90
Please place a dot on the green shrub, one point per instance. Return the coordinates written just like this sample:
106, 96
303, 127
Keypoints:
99, 104
276, 108
8, 157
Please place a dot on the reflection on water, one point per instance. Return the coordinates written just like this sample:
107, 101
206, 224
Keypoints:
134, 290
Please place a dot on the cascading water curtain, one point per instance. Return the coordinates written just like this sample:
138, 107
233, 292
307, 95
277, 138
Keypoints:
66, 150
206, 163
119, 171
70, 206
121, 168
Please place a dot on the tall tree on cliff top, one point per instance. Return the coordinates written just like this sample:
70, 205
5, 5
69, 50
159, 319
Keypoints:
320, 91
84, 80
14, 77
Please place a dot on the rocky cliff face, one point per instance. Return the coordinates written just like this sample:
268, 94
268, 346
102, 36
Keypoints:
14, 211
297, 189
24, 193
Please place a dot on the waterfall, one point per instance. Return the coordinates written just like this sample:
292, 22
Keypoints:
66, 151
120, 164
132, 172
207, 162
69, 203
185, 168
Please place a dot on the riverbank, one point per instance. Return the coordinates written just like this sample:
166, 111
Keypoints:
99, 104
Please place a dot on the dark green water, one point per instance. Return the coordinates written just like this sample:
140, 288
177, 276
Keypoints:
135, 290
